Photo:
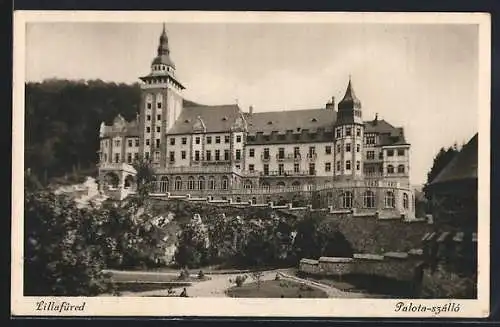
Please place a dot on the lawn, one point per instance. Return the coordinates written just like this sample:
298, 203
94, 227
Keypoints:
276, 289
137, 276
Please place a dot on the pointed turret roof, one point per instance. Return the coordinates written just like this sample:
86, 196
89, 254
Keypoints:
350, 100
163, 53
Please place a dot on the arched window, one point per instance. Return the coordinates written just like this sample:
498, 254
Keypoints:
296, 184
248, 185
346, 200
401, 169
405, 200
178, 183
129, 181
265, 184
280, 184
164, 184
201, 183
225, 183
238, 199
369, 199
254, 200
390, 169
190, 183
211, 183
112, 179
389, 199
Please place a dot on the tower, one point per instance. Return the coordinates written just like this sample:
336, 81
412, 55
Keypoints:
161, 103
348, 137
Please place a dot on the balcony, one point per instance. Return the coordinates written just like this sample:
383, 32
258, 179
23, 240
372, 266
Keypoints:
287, 173
311, 156
265, 157
288, 157
200, 170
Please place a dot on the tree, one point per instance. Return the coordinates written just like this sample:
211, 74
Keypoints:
144, 177
192, 245
257, 276
441, 160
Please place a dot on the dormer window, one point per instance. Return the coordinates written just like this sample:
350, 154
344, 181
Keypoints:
224, 118
314, 120
186, 121
269, 122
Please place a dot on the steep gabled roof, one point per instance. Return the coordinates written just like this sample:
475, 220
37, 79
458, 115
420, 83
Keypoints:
462, 167
121, 127
215, 119
296, 120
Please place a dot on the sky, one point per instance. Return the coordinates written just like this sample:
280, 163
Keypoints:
420, 77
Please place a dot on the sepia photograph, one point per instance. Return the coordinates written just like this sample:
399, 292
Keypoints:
263, 160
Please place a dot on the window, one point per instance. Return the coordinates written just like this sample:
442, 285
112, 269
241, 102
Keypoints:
251, 168
390, 169
148, 117
267, 138
296, 152
266, 169
146, 155
117, 157
348, 165
347, 131
358, 147
157, 143
217, 139
238, 154
225, 183
370, 155
183, 155
266, 153
226, 155
370, 139
226, 139
172, 141
158, 105
129, 157
405, 200
358, 165
248, 185
172, 156
251, 153
129, 143
328, 149
197, 155
197, 140
390, 153
389, 199
282, 137
149, 105
338, 132
381, 155
147, 141
312, 150
157, 155
369, 199
401, 169
201, 183
358, 131
136, 156
338, 148
238, 138
217, 155
348, 147
148, 129
211, 183
158, 117
184, 140
346, 200
338, 165
328, 166
209, 140
401, 152
178, 183
208, 156
281, 153
296, 167
281, 169
158, 128
312, 169
190, 183
136, 142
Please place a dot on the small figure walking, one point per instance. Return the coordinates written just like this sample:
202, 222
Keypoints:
184, 293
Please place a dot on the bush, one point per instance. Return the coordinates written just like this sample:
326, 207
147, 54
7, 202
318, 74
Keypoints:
240, 280
201, 275
184, 274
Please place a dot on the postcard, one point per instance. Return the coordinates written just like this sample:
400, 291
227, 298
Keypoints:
262, 164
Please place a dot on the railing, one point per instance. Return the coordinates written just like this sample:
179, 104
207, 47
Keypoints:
311, 156
288, 157
287, 173
264, 157
200, 169
116, 165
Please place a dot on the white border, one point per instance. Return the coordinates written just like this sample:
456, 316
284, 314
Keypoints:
120, 306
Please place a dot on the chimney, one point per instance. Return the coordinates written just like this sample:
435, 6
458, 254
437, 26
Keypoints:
250, 110
331, 105
375, 121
